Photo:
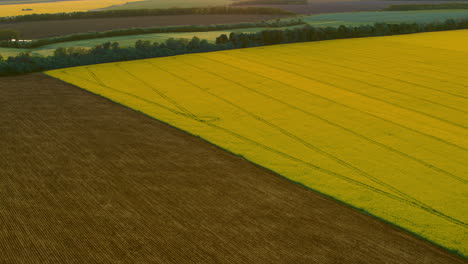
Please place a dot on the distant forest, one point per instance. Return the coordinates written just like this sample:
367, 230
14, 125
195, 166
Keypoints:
148, 12
112, 52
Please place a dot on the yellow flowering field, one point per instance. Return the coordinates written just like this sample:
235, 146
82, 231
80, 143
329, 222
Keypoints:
58, 7
378, 123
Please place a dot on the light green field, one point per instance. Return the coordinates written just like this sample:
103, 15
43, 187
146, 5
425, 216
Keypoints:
365, 18
326, 20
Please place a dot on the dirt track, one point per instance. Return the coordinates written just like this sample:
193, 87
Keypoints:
44, 29
84, 180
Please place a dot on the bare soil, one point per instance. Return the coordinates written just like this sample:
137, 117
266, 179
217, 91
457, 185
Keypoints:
84, 180
44, 29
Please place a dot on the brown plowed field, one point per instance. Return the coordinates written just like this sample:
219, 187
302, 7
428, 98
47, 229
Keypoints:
44, 29
84, 180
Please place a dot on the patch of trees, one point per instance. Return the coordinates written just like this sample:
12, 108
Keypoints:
427, 7
139, 31
309, 33
107, 52
112, 52
221, 10
269, 2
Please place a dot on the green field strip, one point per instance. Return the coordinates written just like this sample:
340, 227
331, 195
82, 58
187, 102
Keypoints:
362, 18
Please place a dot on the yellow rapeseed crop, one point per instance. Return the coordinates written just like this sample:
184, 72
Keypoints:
58, 7
379, 123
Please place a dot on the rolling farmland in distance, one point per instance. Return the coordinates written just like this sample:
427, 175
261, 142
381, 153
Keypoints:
313, 6
41, 29
377, 126
46, 29
324, 20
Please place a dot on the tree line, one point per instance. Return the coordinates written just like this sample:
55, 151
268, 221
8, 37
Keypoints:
220, 10
309, 33
112, 52
139, 31
269, 2
410, 7
107, 52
